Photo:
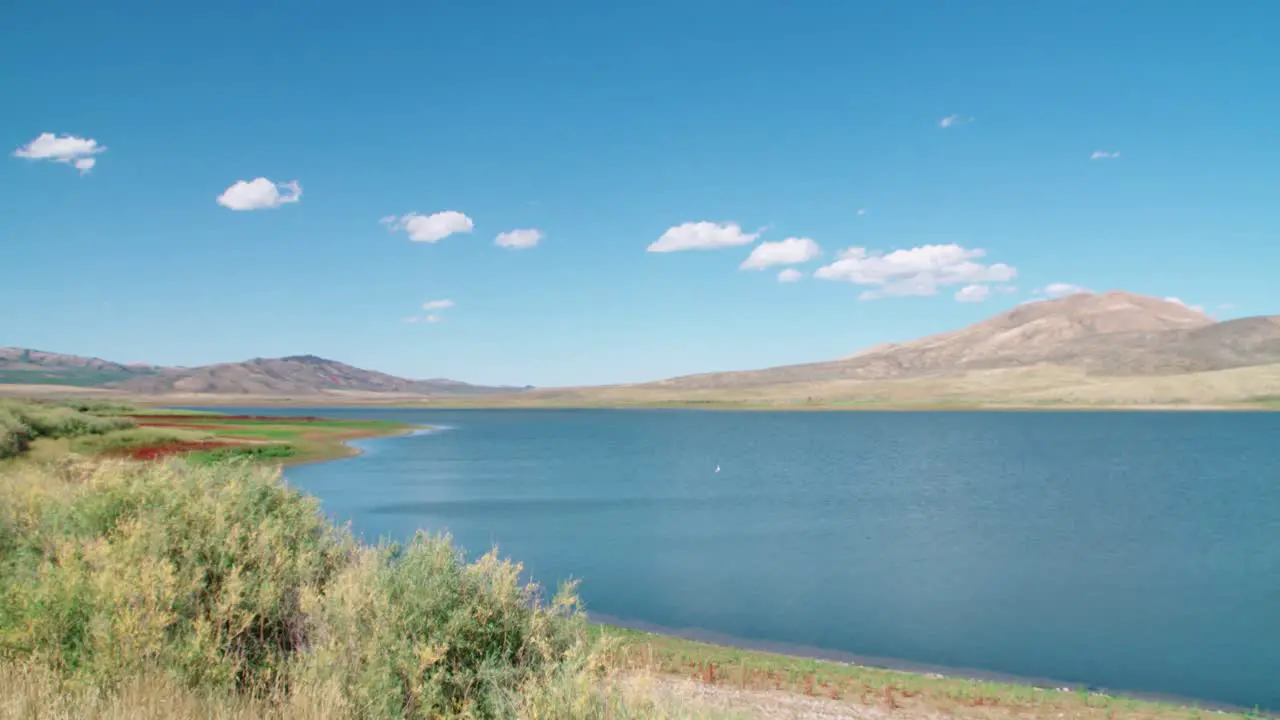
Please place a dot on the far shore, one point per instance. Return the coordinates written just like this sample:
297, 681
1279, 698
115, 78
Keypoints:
343, 399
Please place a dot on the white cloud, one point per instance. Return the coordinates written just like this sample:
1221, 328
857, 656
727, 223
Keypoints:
791, 251
973, 293
429, 228
69, 149
423, 319
259, 194
917, 271
702, 236
1103, 155
519, 239
952, 120
1226, 306
862, 211
790, 275
1178, 301
1061, 289
438, 305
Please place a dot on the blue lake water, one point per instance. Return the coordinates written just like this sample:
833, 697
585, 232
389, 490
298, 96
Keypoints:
1131, 551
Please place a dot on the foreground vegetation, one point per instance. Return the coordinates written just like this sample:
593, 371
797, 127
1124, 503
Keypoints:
174, 585
50, 429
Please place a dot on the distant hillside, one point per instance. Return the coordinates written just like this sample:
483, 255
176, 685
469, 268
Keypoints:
1108, 347
298, 375
1109, 334
20, 366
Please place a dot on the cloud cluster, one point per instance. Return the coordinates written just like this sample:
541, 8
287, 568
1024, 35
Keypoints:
519, 239
1178, 301
69, 149
429, 228
1103, 155
1061, 289
918, 271
259, 194
701, 236
792, 251
433, 308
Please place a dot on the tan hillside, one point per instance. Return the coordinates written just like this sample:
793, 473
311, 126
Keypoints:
1108, 347
295, 375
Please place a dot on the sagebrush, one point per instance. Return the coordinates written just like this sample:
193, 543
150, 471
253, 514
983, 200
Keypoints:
225, 582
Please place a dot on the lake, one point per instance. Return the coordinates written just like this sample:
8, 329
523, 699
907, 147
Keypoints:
1134, 551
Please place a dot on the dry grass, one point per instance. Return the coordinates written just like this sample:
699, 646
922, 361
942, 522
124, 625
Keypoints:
1044, 386
781, 685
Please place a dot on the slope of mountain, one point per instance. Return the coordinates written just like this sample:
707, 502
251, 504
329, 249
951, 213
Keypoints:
34, 367
1108, 334
293, 375
298, 375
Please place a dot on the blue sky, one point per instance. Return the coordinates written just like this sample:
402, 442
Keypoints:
602, 126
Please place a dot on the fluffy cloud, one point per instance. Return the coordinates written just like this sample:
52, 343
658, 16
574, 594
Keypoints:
69, 149
1061, 289
519, 239
973, 293
1103, 155
1178, 301
791, 251
953, 120
429, 228
259, 194
917, 271
437, 305
790, 275
702, 236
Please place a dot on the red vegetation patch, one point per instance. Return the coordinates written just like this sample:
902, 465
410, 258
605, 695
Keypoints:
158, 452
193, 426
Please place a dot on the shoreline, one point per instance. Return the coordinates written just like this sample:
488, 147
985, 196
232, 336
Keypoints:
348, 450
323, 403
792, 655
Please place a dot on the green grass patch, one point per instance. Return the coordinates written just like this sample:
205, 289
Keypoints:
252, 453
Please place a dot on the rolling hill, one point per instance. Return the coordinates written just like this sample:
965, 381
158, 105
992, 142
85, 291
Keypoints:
1063, 350
35, 367
297, 375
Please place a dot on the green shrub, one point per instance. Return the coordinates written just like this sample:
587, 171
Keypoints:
225, 581
135, 438
197, 570
15, 435
55, 421
100, 407
414, 630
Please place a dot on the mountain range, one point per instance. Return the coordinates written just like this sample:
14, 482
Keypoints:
1104, 347
295, 375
